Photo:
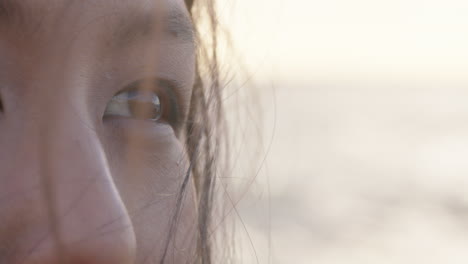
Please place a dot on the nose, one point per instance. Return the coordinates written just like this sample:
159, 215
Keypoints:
76, 206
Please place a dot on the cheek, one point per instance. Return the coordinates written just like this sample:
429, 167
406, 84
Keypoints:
149, 166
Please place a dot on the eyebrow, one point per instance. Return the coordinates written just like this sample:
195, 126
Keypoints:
174, 23
11, 10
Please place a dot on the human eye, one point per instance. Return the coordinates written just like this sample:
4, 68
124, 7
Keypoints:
146, 100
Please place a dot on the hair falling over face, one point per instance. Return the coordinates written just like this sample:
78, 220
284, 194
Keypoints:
112, 132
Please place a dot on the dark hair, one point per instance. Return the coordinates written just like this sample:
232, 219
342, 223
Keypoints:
205, 129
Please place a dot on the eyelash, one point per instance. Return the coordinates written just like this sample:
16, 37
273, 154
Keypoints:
166, 92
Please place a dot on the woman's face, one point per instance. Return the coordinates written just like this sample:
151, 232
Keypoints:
94, 96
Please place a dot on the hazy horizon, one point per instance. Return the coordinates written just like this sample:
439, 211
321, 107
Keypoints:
364, 103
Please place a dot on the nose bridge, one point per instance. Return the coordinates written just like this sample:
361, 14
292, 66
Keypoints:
87, 218
47, 130
90, 217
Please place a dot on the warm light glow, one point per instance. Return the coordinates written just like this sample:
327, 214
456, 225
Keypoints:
414, 40
365, 103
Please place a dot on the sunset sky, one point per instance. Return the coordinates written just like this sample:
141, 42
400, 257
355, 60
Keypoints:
364, 104
305, 40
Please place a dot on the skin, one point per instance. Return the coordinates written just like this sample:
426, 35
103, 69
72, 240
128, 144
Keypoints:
78, 186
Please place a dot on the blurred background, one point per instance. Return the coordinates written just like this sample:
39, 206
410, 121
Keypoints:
361, 144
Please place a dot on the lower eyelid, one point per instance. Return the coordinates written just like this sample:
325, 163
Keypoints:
147, 131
